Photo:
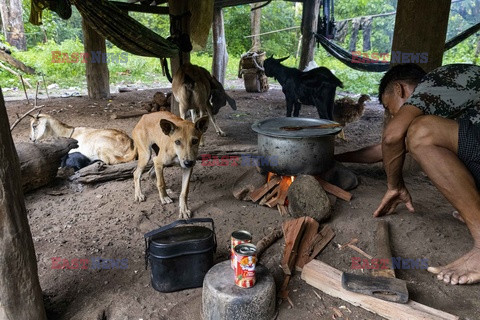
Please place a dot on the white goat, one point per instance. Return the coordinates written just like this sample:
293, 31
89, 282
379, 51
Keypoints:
108, 145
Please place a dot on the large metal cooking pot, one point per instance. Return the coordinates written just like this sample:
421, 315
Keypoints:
306, 151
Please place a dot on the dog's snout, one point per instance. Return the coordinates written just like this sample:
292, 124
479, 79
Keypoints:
189, 163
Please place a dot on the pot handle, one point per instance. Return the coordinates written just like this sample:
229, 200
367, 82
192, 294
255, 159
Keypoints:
152, 233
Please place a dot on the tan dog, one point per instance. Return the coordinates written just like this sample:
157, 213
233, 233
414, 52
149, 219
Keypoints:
197, 90
177, 141
108, 145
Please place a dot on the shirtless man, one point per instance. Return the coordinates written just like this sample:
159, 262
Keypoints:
436, 118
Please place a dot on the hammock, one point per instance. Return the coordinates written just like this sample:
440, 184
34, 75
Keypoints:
124, 31
348, 59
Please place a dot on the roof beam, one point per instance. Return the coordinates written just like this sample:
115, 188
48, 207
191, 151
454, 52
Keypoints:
140, 7
231, 3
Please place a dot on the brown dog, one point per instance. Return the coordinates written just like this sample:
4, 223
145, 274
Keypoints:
177, 141
197, 90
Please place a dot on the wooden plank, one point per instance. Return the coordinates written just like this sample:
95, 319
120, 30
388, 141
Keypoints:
141, 7
271, 196
333, 189
292, 231
306, 246
329, 280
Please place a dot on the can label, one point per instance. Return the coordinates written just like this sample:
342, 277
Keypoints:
238, 237
246, 259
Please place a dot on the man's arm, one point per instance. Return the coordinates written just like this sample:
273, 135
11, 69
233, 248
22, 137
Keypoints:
393, 150
370, 154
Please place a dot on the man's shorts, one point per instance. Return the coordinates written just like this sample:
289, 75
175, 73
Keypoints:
469, 147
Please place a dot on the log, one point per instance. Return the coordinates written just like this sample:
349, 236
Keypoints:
39, 162
20, 292
268, 240
329, 280
292, 231
100, 172
16, 63
126, 115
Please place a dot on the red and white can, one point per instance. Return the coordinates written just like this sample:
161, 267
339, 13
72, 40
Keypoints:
238, 237
246, 258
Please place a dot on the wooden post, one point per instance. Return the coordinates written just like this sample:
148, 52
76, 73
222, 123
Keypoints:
421, 26
220, 54
98, 83
178, 8
423, 29
20, 293
309, 25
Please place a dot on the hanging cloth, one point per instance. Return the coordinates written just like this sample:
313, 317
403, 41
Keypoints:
367, 32
341, 30
123, 31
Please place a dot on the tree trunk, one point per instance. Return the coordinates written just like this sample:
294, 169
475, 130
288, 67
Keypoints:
220, 54
98, 79
255, 16
309, 25
20, 293
12, 23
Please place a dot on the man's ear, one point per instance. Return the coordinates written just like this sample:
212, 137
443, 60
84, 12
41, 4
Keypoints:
202, 124
168, 127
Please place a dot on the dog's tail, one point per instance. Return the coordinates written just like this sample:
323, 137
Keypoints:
165, 70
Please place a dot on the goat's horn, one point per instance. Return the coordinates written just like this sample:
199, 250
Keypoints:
271, 57
283, 59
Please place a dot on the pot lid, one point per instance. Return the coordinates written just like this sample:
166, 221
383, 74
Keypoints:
289, 127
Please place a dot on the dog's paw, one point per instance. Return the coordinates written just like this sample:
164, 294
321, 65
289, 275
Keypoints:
185, 214
166, 200
140, 197
221, 133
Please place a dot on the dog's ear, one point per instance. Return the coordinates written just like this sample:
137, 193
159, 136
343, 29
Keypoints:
202, 124
168, 127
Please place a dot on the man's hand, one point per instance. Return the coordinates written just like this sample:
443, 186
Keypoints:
391, 199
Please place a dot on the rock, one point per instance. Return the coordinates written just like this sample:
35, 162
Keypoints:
223, 299
341, 176
246, 183
306, 197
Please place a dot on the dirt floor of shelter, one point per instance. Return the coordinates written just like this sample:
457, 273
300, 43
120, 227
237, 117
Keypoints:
80, 221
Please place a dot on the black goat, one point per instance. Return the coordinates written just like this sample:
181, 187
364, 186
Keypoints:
314, 87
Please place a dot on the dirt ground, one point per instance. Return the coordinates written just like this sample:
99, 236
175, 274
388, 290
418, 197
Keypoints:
81, 221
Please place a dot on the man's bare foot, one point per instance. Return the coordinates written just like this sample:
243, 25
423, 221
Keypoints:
465, 270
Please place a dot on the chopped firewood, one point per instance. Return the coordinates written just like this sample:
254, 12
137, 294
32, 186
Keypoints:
320, 241
343, 246
282, 193
333, 189
290, 301
282, 209
292, 231
260, 192
268, 240
337, 312
304, 250
271, 196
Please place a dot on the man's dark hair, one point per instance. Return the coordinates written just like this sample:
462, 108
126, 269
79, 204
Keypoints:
408, 72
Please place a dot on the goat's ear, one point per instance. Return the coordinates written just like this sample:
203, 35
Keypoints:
271, 57
202, 124
29, 115
283, 59
168, 127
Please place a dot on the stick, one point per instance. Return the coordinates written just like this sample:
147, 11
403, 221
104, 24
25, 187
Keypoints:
36, 94
26, 114
45, 85
127, 115
268, 240
16, 74
15, 63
